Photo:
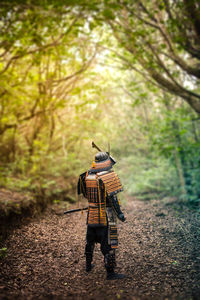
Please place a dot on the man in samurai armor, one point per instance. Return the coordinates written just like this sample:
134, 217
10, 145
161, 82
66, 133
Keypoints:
100, 185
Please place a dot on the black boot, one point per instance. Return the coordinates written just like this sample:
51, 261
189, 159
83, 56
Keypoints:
110, 264
113, 276
89, 248
89, 267
89, 264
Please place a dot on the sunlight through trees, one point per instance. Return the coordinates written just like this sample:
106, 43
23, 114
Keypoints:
120, 71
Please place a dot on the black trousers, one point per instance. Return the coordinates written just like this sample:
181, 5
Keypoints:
97, 235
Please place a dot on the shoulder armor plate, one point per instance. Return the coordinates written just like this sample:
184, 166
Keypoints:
111, 182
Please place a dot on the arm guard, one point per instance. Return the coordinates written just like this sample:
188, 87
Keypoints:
81, 186
116, 207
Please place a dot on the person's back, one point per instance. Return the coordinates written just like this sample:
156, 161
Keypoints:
100, 185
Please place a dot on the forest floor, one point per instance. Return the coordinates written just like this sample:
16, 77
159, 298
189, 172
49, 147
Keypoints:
159, 251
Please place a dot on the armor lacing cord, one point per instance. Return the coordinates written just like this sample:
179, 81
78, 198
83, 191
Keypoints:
99, 199
105, 201
119, 200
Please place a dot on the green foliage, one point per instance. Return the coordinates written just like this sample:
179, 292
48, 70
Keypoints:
149, 176
50, 113
158, 146
161, 41
59, 92
177, 138
3, 252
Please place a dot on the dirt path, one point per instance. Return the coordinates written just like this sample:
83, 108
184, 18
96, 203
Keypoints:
159, 252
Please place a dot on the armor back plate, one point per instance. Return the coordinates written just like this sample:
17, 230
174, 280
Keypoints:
96, 199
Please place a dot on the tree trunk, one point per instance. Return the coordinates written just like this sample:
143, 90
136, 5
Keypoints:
180, 172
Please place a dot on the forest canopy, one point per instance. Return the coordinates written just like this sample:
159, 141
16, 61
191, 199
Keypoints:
120, 71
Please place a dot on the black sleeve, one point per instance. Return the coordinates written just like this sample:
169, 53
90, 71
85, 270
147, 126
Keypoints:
116, 207
81, 186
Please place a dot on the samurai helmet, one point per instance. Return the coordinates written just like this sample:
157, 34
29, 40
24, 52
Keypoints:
101, 156
103, 162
